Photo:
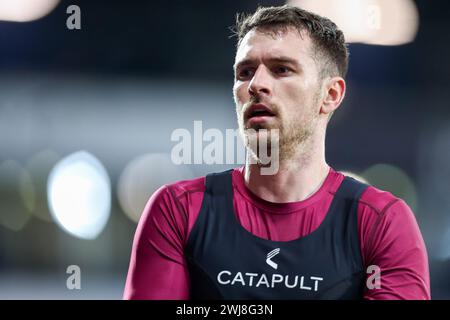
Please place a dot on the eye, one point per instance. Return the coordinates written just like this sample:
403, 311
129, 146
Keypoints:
282, 70
244, 73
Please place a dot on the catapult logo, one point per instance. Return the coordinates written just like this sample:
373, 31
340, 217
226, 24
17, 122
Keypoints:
274, 280
270, 255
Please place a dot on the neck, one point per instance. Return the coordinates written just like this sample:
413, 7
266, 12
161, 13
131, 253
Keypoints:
296, 179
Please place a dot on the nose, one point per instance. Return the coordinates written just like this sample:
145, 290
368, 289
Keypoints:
261, 83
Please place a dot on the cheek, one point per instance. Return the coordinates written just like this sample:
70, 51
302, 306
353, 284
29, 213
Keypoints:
240, 94
293, 96
299, 95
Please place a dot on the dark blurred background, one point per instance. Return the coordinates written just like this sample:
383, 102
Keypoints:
86, 118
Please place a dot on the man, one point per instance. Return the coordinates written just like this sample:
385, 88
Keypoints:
303, 232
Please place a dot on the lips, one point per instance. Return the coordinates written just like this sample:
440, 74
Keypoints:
258, 110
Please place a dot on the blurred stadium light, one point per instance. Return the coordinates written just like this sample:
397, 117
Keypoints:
25, 10
142, 177
393, 179
79, 195
354, 176
379, 22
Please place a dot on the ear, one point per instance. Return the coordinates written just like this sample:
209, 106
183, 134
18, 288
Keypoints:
334, 94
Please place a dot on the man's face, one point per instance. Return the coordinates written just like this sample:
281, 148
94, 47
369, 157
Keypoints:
277, 87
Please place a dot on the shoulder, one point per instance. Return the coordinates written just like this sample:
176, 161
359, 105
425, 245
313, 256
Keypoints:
182, 188
390, 238
383, 218
388, 226
384, 214
174, 207
385, 209
372, 201
177, 198
381, 212
185, 188
169, 195
377, 201
168, 217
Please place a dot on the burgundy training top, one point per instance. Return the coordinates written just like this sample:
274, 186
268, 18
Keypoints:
388, 232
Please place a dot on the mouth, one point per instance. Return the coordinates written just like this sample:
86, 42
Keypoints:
258, 113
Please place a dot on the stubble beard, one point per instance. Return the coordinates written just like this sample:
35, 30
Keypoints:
294, 135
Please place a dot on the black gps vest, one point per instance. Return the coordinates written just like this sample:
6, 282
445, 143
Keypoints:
226, 261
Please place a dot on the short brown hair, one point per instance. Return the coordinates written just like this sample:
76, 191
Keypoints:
328, 41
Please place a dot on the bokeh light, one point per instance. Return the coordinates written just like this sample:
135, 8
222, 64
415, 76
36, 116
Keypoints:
393, 179
25, 10
380, 22
354, 176
142, 177
79, 195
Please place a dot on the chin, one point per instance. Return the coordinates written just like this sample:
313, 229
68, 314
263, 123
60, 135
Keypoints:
255, 138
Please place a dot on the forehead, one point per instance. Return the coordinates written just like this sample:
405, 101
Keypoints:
260, 45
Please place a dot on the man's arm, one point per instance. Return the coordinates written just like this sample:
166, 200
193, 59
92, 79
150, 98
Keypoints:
396, 246
157, 267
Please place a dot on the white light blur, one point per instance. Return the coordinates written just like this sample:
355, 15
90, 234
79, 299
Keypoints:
79, 195
378, 22
395, 180
354, 176
25, 10
142, 177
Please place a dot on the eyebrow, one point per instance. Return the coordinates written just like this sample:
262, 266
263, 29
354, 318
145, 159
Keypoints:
281, 59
